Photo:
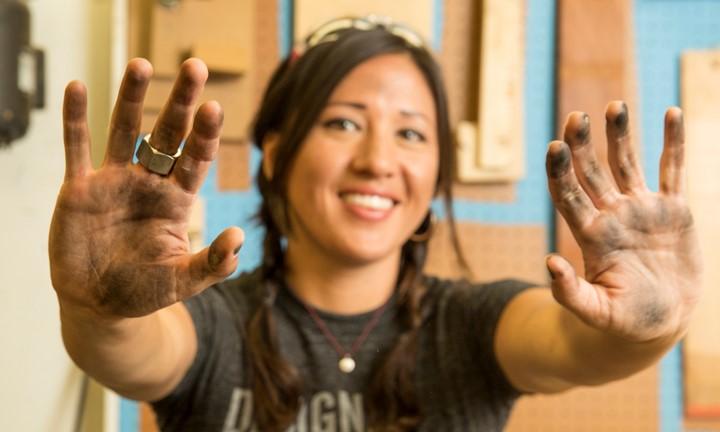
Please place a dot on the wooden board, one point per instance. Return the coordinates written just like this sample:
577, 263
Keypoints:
417, 14
700, 88
459, 60
176, 31
214, 29
491, 147
595, 64
238, 92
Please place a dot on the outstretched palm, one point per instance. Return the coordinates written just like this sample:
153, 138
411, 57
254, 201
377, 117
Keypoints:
642, 262
118, 243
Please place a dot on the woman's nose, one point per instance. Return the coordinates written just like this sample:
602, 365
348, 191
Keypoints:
375, 155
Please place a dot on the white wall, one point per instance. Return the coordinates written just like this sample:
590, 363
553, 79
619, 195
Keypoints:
39, 386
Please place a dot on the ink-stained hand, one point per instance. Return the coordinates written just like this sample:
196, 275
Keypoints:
118, 242
642, 261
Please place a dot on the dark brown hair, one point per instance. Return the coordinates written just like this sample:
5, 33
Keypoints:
298, 91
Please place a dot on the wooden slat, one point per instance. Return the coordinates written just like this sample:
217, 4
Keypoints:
595, 65
700, 76
491, 147
459, 59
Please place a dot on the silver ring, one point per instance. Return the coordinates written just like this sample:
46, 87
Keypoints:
154, 160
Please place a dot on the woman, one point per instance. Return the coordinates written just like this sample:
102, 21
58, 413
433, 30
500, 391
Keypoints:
338, 329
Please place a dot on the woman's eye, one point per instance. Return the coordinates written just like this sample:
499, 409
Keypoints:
342, 124
412, 135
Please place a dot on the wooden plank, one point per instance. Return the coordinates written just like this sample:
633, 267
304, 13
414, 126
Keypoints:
215, 28
491, 148
458, 59
417, 14
595, 65
700, 87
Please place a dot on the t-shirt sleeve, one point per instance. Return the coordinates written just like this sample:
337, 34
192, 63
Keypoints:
466, 320
488, 302
210, 315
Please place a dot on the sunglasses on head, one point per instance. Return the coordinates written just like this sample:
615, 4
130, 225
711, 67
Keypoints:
328, 32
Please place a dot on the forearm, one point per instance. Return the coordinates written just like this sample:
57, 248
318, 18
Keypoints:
554, 350
140, 358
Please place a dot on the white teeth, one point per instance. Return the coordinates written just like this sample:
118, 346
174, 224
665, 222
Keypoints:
374, 202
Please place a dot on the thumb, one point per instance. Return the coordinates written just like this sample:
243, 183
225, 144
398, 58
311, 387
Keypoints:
216, 262
568, 289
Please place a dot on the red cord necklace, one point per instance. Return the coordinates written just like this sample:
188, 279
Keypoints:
346, 364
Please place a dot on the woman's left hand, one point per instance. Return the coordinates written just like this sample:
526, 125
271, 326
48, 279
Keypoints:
642, 261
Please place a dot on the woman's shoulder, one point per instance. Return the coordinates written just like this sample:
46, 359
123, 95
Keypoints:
469, 297
443, 287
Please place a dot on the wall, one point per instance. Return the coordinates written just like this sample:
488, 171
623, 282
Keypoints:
40, 386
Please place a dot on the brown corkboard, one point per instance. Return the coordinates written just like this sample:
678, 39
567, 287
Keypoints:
627, 405
459, 61
491, 251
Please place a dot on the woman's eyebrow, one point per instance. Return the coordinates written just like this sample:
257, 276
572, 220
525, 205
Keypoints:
410, 113
356, 105
363, 107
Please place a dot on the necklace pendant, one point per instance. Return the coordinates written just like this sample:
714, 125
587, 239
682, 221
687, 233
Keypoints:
346, 364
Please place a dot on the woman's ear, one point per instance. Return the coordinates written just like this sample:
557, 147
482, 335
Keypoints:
269, 148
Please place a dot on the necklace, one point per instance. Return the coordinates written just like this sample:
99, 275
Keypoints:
346, 364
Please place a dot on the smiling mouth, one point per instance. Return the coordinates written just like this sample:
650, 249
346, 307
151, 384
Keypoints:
372, 202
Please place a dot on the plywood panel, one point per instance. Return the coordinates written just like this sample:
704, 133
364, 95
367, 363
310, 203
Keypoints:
417, 14
595, 65
700, 77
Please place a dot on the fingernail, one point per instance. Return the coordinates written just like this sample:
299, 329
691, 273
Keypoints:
547, 266
621, 120
237, 251
558, 162
583, 134
552, 276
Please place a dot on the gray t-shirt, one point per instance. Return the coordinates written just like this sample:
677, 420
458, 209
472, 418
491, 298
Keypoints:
459, 382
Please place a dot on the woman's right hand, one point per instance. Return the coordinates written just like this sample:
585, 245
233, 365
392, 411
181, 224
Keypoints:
118, 239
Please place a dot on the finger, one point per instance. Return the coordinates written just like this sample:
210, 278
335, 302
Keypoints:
176, 116
672, 162
590, 173
201, 148
569, 198
622, 157
76, 134
575, 293
127, 114
212, 264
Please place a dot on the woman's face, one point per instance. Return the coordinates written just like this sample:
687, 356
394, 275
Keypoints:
365, 175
